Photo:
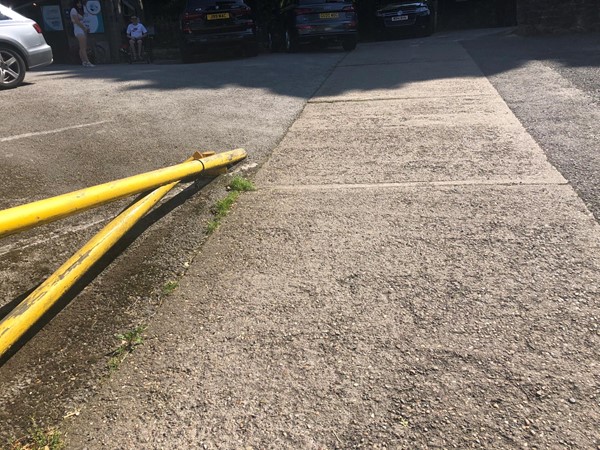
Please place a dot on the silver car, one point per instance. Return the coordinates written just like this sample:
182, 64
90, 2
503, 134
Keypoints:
22, 47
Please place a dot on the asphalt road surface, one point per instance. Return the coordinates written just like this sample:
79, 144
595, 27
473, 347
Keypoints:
68, 128
552, 84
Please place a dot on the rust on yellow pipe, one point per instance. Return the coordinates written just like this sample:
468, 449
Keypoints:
30, 310
30, 215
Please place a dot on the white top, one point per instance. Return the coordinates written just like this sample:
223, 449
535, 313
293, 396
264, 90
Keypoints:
136, 31
76, 15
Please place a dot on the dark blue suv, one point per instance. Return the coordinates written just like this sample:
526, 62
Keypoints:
414, 17
210, 25
325, 22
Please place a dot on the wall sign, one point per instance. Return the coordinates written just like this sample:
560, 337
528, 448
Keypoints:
52, 19
92, 16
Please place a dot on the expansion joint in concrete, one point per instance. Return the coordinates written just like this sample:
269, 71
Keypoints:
343, 186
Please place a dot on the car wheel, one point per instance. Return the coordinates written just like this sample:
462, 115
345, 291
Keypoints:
291, 44
12, 68
349, 45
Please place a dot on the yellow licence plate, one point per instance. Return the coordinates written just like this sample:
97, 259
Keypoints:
329, 16
217, 16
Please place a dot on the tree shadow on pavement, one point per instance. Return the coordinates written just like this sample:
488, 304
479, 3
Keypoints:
499, 50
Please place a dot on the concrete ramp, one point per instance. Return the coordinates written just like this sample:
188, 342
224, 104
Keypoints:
411, 273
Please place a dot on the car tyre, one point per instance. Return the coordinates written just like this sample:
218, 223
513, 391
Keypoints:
349, 44
291, 43
12, 68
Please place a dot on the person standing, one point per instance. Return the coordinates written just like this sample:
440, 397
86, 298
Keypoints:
80, 30
136, 32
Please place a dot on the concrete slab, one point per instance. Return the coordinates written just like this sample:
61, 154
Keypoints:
379, 315
427, 79
400, 316
405, 51
460, 139
442, 153
414, 112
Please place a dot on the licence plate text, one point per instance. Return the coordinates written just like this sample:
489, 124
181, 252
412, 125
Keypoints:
217, 16
329, 16
397, 18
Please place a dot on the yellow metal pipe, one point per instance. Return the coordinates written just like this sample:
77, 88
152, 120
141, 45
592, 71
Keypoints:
30, 215
30, 310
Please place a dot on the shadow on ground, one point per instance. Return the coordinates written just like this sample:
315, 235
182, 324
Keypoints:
268, 70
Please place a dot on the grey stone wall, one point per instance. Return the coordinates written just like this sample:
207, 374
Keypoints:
555, 16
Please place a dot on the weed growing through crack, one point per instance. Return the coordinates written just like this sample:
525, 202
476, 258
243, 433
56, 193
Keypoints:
241, 184
39, 438
222, 207
129, 341
170, 287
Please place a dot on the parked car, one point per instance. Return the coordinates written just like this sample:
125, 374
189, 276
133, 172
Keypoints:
22, 47
415, 17
325, 22
212, 25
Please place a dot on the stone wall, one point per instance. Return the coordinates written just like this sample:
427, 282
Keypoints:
556, 16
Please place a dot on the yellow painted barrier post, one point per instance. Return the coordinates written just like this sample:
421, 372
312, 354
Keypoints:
30, 310
27, 216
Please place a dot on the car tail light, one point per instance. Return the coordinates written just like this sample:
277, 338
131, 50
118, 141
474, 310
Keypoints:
349, 8
301, 11
37, 28
187, 17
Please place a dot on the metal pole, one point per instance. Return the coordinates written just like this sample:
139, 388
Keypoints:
27, 216
30, 310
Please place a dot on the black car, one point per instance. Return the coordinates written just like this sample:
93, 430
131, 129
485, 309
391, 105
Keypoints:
324, 22
415, 17
211, 25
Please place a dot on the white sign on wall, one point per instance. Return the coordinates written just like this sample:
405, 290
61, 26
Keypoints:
92, 17
52, 18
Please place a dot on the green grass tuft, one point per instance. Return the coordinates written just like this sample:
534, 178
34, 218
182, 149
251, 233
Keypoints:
241, 184
220, 210
222, 207
170, 287
129, 341
39, 439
